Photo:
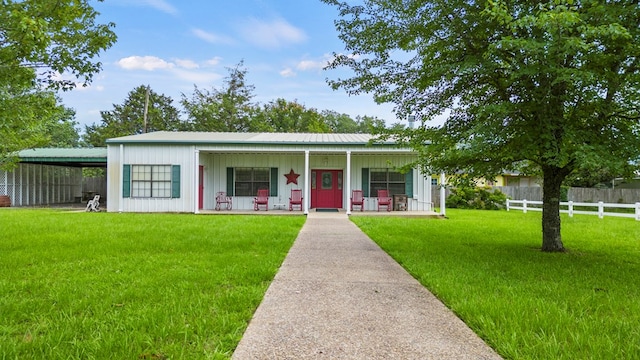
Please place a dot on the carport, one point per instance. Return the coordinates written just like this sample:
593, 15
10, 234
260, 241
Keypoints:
49, 176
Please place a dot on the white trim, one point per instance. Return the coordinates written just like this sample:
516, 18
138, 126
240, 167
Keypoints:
307, 192
348, 183
121, 179
196, 182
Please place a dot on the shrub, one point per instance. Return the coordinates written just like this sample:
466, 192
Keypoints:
481, 198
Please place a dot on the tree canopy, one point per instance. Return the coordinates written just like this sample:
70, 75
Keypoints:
44, 46
129, 117
552, 85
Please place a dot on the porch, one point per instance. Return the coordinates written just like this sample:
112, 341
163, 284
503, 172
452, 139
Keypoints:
286, 212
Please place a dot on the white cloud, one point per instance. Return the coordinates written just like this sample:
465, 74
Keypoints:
273, 34
186, 63
213, 61
181, 69
162, 6
288, 72
305, 65
211, 37
149, 63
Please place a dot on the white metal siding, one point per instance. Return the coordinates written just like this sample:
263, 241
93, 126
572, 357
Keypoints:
151, 155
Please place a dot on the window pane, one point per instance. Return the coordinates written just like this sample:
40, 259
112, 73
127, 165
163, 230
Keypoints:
162, 173
141, 172
261, 175
161, 189
327, 181
244, 189
375, 187
378, 175
396, 176
243, 175
260, 186
141, 189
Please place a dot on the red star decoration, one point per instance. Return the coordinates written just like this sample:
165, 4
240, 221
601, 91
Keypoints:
292, 177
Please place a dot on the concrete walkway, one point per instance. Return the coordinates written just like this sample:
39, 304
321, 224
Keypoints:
339, 296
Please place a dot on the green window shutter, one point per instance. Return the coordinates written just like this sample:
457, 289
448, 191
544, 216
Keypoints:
274, 182
408, 183
230, 181
126, 181
365, 182
175, 181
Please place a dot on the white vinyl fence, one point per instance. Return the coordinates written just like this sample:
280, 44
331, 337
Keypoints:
570, 208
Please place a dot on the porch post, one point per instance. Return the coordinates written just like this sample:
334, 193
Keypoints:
348, 182
120, 179
196, 180
443, 193
307, 193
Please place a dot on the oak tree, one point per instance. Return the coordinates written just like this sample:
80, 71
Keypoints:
553, 84
44, 46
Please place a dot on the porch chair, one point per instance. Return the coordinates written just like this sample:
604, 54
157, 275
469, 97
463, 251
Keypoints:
93, 204
357, 199
384, 199
295, 199
261, 199
222, 198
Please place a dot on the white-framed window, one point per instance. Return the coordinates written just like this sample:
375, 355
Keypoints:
151, 181
387, 179
247, 181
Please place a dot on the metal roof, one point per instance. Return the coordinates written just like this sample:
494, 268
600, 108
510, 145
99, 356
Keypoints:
168, 137
78, 157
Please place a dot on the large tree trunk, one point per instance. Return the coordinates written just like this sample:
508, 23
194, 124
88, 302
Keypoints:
551, 188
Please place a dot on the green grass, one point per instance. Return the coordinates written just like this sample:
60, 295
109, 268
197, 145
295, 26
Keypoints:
486, 266
133, 286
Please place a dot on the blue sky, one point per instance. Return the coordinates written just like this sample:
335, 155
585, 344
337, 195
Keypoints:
173, 45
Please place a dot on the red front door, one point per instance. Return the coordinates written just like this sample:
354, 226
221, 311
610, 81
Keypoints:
326, 189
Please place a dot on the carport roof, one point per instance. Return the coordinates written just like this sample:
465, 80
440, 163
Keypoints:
75, 157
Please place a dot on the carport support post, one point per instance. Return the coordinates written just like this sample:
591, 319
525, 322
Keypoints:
348, 183
306, 182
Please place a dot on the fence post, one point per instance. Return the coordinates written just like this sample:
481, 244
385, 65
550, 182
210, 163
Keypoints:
507, 204
600, 209
638, 211
524, 206
570, 208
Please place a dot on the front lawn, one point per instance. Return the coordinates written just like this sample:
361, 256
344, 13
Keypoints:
487, 267
133, 286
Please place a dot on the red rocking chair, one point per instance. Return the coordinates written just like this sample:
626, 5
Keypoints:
295, 199
261, 199
357, 199
384, 199
223, 199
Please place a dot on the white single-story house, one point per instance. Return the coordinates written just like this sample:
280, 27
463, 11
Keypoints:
183, 171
